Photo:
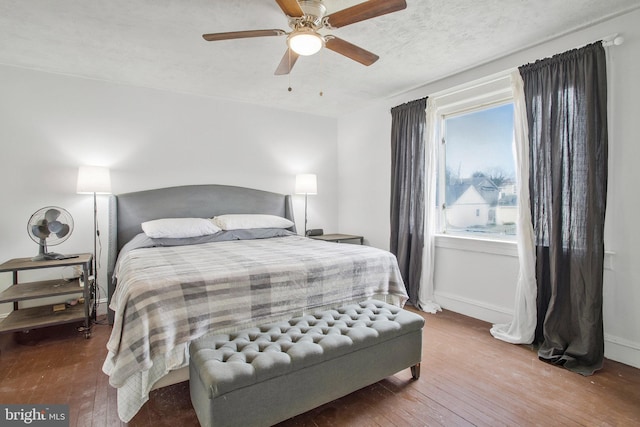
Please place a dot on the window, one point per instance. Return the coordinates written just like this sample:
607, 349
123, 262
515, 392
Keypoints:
477, 193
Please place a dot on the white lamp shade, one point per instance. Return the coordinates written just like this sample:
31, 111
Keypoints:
306, 183
94, 179
305, 42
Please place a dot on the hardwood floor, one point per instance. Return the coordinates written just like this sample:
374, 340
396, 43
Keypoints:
468, 378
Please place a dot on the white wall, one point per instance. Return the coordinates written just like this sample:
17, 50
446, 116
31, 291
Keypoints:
51, 124
480, 282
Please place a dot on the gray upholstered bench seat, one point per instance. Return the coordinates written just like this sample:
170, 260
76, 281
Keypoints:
264, 375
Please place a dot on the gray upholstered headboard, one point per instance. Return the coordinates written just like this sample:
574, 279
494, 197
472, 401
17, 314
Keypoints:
128, 211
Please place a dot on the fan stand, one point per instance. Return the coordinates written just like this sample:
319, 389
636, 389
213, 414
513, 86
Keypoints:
43, 255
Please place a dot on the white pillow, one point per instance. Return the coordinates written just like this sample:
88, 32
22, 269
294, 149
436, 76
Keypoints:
177, 228
244, 221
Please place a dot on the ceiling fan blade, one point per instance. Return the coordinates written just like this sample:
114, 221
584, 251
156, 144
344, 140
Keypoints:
366, 10
242, 34
290, 8
351, 51
286, 64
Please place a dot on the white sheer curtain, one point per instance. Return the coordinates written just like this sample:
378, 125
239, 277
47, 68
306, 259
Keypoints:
426, 300
522, 328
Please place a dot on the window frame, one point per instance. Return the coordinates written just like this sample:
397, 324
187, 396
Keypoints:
489, 93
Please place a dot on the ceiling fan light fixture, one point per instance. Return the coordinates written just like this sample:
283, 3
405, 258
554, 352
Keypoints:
305, 42
307, 18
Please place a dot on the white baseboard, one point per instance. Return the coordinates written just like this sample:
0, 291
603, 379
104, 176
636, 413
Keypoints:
473, 308
622, 350
615, 348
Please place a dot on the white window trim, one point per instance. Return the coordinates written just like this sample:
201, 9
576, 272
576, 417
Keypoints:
492, 91
474, 244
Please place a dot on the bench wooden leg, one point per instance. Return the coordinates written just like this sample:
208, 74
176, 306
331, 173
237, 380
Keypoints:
415, 371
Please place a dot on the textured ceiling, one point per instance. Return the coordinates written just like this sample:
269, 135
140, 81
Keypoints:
158, 44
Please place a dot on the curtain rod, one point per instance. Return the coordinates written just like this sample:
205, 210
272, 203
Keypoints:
612, 40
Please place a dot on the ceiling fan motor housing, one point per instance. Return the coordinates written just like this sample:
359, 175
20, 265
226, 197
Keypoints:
314, 11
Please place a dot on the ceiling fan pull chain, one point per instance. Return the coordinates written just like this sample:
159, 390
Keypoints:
322, 71
289, 74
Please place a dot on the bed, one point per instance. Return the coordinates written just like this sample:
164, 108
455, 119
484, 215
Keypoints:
165, 292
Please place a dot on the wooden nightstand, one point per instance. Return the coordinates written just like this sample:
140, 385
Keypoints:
338, 238
21, 319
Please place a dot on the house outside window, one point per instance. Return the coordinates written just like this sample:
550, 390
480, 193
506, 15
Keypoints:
477, 194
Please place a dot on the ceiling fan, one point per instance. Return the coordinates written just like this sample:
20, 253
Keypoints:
307, 18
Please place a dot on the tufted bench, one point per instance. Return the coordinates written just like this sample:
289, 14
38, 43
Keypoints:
264, 375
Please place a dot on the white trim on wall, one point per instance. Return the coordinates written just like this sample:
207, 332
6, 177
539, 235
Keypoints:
497, 247
473, 308
622, 350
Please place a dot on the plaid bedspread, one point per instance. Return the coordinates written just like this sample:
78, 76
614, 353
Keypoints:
168, 296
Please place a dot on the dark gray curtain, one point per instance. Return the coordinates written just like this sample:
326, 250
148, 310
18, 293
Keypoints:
566, 100
408, 123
